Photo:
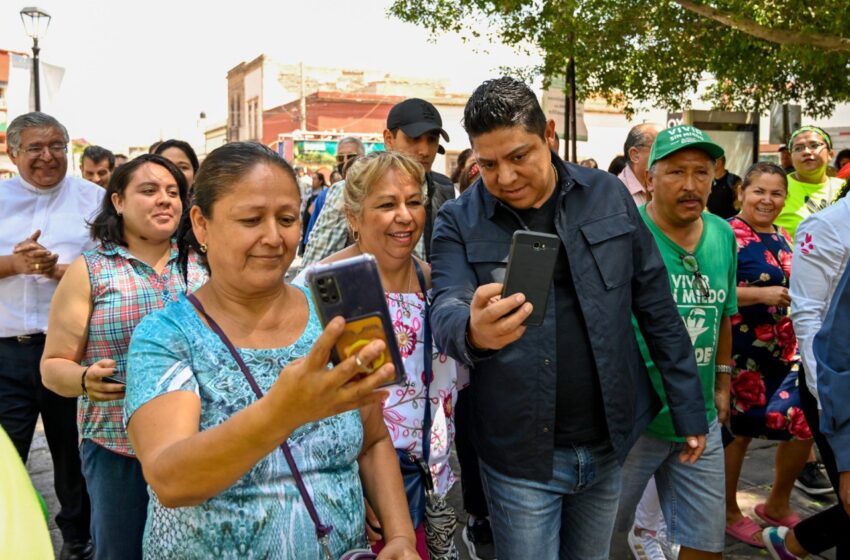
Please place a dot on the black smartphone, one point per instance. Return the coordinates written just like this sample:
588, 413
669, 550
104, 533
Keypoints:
531, 264
352, 288
117, 379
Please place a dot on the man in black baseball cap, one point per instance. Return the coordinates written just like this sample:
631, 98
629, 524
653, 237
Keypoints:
421, 124
414, 128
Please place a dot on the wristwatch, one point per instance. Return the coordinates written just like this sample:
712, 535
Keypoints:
723, 369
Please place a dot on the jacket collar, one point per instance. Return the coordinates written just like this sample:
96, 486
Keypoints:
568, 177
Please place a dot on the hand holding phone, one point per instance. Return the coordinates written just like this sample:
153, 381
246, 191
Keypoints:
351, 288
531, 265
100, 383
494, 321
307, 391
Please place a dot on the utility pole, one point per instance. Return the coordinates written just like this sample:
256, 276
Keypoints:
571, 80
302, 122
786, 123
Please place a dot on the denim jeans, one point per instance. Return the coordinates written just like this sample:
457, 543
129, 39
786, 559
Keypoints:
22, 399
570, 516
692, 496
119, 502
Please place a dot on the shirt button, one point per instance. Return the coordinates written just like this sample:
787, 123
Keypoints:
547, 362
545, 429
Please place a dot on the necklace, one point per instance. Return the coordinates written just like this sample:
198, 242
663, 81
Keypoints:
408, 277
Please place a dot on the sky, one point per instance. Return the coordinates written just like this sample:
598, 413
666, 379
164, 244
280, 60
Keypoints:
138, 71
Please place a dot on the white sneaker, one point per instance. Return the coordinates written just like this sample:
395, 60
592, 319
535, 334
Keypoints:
645, 546
671, 550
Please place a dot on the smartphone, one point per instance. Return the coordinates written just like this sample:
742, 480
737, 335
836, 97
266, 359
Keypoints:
531, 264
117, 379
352, 288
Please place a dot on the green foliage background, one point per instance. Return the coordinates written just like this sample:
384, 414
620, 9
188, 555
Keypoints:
655, 52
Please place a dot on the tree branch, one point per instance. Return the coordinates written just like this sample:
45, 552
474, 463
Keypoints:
779, 36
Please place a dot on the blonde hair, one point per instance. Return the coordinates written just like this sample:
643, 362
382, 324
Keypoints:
366, 171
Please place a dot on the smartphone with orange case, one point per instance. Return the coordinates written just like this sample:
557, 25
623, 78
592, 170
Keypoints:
352, 288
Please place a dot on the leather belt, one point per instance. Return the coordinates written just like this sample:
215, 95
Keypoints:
26, 339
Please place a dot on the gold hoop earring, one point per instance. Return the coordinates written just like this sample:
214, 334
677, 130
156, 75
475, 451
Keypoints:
203, 248
356, 236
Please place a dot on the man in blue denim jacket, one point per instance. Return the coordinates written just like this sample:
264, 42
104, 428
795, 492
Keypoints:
556, 406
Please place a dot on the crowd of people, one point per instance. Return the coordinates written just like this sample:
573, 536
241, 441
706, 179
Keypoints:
151, 313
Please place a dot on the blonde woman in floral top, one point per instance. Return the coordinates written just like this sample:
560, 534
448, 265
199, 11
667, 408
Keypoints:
385, 209
102, 297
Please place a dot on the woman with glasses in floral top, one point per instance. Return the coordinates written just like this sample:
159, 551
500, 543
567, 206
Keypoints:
102, 297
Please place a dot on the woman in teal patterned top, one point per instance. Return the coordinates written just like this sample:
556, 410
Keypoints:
220, 487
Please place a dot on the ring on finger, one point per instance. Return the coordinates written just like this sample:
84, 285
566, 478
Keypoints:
36, 266
360, 365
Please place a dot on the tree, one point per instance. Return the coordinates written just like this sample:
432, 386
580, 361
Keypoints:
633, 52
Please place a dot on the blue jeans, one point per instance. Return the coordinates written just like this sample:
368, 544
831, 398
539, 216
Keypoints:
119, 502
692, 496
570, 516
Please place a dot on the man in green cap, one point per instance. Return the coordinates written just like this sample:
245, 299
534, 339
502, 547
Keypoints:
700, 254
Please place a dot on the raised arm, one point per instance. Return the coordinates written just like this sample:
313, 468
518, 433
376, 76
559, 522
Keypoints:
185, 466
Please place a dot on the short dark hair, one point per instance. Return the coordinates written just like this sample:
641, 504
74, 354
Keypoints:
97, 154
842, 154
182, 146
223, 167
108, 226
617, 164
461, 162
503, 102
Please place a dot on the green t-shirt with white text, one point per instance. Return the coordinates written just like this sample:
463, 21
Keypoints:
717, 257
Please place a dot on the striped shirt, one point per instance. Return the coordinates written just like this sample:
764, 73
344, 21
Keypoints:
123, 290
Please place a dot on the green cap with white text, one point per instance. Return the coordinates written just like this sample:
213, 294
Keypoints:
671, 140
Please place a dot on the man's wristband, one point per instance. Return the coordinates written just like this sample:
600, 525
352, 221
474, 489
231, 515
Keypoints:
83, 382
723, 370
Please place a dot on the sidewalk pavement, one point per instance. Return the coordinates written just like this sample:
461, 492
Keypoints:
753, 489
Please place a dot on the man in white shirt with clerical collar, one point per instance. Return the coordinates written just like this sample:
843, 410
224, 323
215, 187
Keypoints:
636, 149
43, 217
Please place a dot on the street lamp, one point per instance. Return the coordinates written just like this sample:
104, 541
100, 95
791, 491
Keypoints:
35, 21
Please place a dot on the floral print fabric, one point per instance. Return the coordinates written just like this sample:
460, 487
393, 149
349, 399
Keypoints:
404, 408
765, 396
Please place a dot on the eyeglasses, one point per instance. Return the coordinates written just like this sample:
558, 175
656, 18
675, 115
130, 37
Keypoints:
54, 149
691, 264
813, 147
341, 158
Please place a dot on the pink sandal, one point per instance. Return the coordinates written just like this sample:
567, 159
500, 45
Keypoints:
747, 531
789, 521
